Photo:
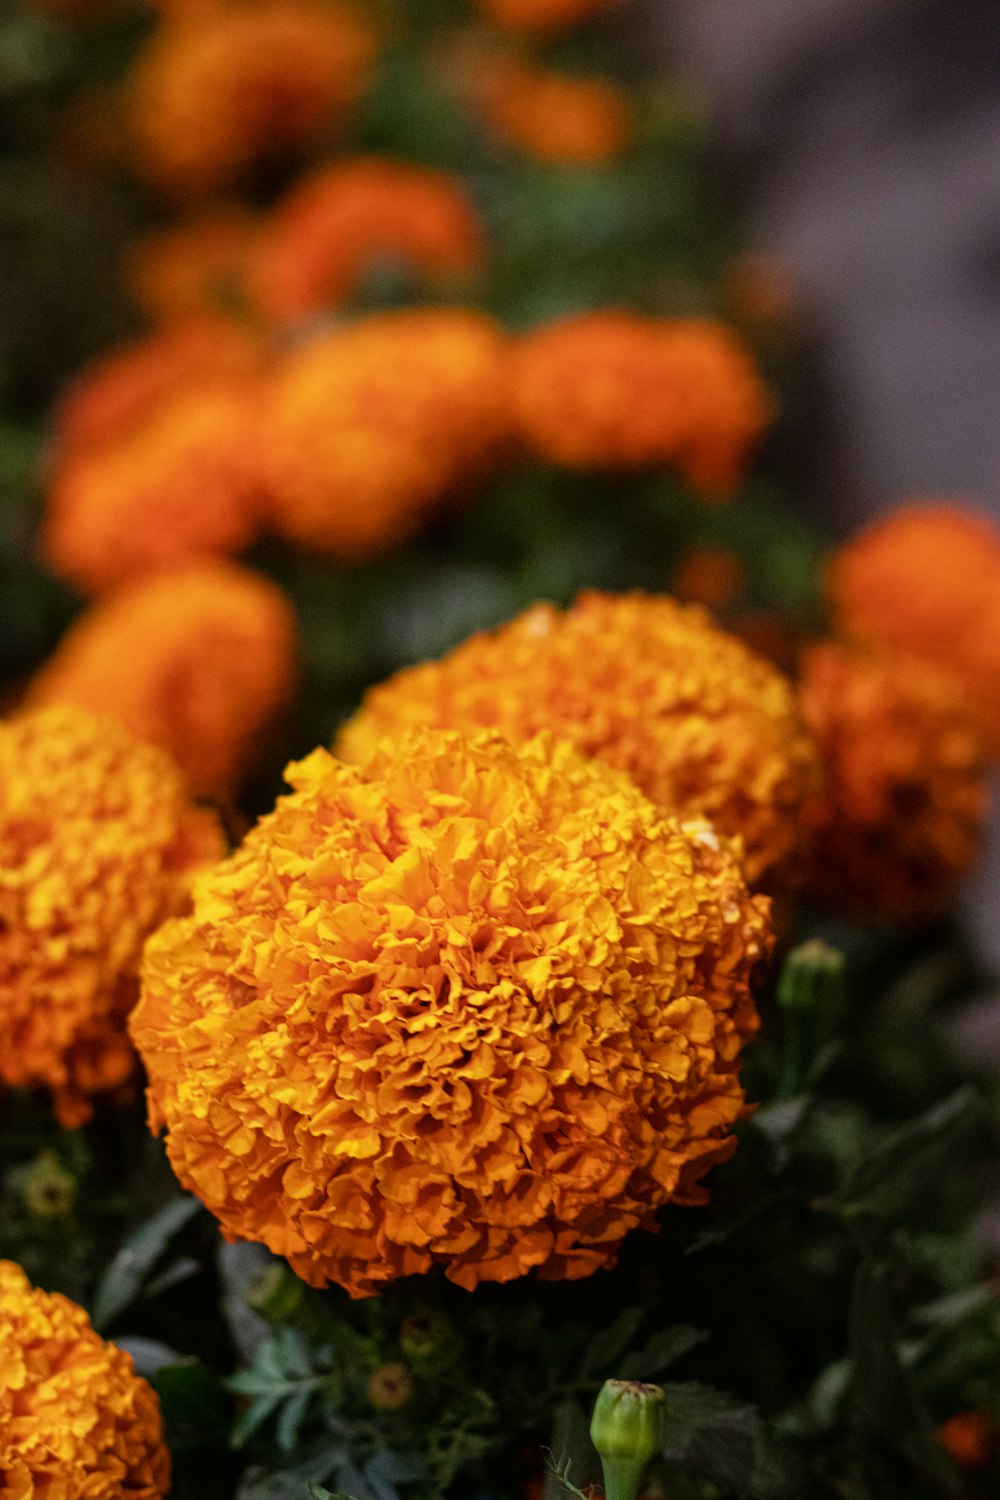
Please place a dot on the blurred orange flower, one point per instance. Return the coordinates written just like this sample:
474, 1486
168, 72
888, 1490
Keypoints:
75, 1419
644, 683
466, 1006
337, 224
182, 486
98, 845
219, 92
198, 660
899, 820
367, 428
926, 580
193, 267
611, 390
554, 116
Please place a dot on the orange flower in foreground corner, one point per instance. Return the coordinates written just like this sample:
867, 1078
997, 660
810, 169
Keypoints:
612, 390
116, 394
334, 226
182, 486
75, 1419
555, 116
193, 267
199, 661
646, 684
543, 16
467, 1006
98, 844
221, 91
899, 821
926, 580
367, 428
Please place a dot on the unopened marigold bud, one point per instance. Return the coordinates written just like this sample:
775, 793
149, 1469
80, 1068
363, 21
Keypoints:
277, 1295
627, 1429
48, 1189
422, 1333
812, 979
390, 1387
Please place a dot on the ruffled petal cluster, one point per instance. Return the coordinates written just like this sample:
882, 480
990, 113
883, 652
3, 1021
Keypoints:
556, 117
192, 267
98, 845
466, 1005
613, 390
651, 686
926, 580
76, 1422
220, 91
900, 817
543, 17
339, 224
199, 661
365, 430
182, 485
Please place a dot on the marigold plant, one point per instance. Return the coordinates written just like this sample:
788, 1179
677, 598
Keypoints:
899, 821
194, 267
554, 116
467, 1005
366, 429
181, 486
543, 17
75, 1419
612, 390
199, 660
98, 844
645, 684
220, 91
926, 580
339, 223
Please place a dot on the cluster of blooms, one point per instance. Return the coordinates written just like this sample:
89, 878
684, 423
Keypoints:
466, 1005
702, 726
98, 844
75, 1419
613, 390
199, 660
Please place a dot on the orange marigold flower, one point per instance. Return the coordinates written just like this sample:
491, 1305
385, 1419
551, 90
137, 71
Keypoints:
467, 1005
218, 92
969, 1438
116, 394
556, 117
617, 391
75, 1419
192, 267
646, 684
335, 225
199, 661
926, 580
900, 815
182, 486
98, 843
366, 429
541, 17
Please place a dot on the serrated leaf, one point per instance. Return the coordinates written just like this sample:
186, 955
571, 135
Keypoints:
608, 1346
662, 1350
935, 1130
123, 1281
724, 1441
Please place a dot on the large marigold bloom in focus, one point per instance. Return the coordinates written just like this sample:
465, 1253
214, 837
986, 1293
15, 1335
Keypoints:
116, 394
98, 844
644, 683
555, 117
183, 485
543, 17
75, 1419
467, 1005
612, 390
926, 580
198, 660
337, 224
366, 429
899, 821
193, 267
221, 91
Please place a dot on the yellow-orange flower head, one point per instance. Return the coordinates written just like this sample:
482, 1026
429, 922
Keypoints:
199, 660
555, 116
182, 486
75, 1419
336, 225
98, 844
899, 821
543, 17
466, 1005
926, 580
646, 684
219, 92
195, 267
611, 390
366, 429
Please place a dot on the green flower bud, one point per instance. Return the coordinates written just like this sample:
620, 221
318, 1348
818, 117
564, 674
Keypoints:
47, 1188
628, 1428
812, 980
277, 1296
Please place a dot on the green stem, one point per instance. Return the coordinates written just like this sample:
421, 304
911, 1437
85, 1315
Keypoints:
622, 1478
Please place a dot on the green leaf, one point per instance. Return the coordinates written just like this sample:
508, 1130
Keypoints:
662, 1350
125, 1277
725, 1442
607, 1346
880, 1170
196, 1409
